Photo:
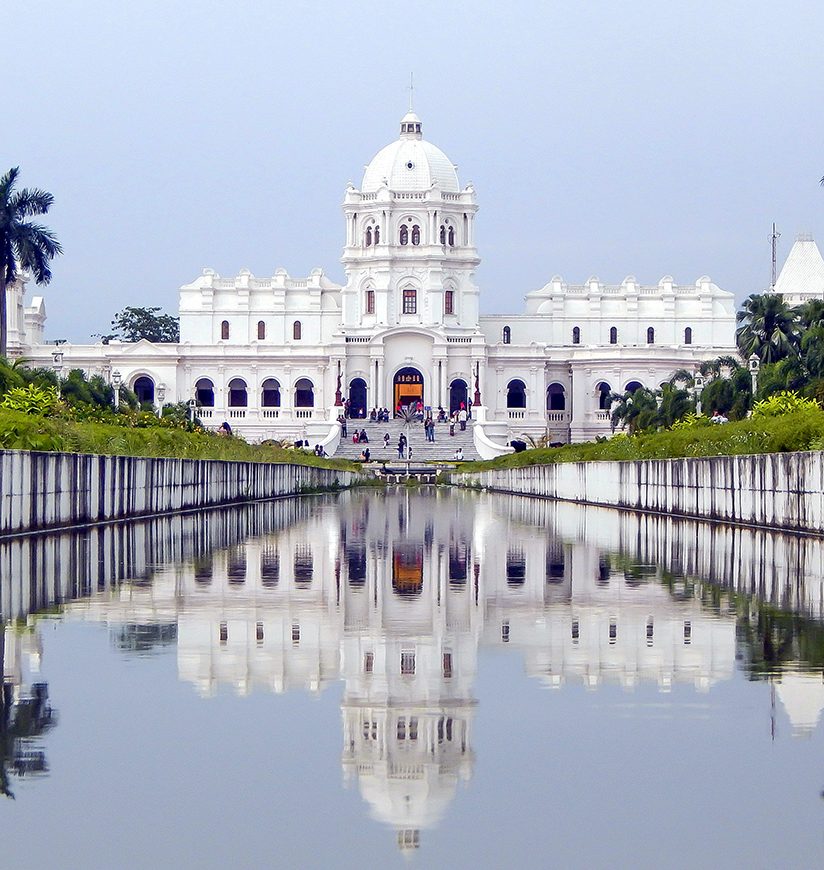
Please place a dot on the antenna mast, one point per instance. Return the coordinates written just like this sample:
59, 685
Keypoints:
774, 237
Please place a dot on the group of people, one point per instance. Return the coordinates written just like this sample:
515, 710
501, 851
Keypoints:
718, 417
360, 437
379, 415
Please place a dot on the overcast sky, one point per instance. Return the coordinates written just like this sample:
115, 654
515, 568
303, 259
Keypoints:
603, 139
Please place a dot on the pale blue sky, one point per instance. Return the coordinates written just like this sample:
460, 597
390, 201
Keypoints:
603, 138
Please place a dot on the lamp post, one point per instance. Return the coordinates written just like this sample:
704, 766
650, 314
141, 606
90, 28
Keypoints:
57, 366
161, 395
699, 386
192, 406
117, 380
754, 364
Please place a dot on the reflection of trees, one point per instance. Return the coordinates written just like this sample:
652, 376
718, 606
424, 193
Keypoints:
140, 638
775, 640
21, 722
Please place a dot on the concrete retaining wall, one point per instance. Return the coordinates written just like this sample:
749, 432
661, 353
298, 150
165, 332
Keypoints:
50, 490
774, 490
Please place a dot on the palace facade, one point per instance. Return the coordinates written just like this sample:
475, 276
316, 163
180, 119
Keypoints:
275, 355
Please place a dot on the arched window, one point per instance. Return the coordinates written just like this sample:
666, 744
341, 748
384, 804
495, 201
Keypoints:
576, 334
370, 302
144, 389
449, 302
452, 237
296, 330
443, 234
368, 240
377, 235
261, 330
410, 301
603, 391
688, 335
304, 394
205, 393
515, 567
516, 394
555, 398
403, 235
632, 386
613, 335
507, 335
270, 393
650, 335
416, 235
224, 330
238, 397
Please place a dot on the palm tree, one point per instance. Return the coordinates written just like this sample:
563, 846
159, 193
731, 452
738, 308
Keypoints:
24, 246
768, 328
810, 314
634, 410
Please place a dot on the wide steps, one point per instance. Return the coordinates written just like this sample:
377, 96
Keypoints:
443, 448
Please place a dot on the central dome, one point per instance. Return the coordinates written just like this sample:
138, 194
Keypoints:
410, 164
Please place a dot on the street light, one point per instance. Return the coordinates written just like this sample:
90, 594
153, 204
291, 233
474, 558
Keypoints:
57, 366
161, 395
754, 364
698, 380
192, 406
117, 380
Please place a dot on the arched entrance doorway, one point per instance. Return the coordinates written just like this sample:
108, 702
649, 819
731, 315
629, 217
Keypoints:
357, 398
144, 389
458, 395
408, 386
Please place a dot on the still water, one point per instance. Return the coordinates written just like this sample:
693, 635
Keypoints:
425, 677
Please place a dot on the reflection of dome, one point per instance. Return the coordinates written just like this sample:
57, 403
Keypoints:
803, 698
410, 164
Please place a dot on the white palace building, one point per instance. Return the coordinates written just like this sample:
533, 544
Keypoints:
273, 355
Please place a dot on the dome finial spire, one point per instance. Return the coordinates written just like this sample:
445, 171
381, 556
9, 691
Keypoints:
411, 91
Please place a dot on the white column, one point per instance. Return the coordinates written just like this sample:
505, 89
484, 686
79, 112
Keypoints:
381, 399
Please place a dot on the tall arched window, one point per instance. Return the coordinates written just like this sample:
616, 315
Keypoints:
270, 393
238, 397
555, 398
449, 302
452, 237
370, 302
205, 393
144, 389
261, 330
443, 234
296, 330
516, 394
224, 330
304, 394
688, 335
603, 391
377, 235
576, 334
416, 235
403, 235
650, 335
410, 301
368, 239
507, 335
613, 335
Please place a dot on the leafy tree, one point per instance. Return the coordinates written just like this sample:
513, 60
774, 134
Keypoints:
768, 328
675, 404
76, 389
133, 324
810, 314
634, 410
24, 246
731, 396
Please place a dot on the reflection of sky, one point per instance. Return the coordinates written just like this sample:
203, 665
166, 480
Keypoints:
153, 775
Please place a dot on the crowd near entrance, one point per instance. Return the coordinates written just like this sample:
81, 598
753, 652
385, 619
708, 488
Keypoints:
408, 387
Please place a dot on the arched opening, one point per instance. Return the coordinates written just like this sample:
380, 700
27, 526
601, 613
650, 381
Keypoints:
408, 388
448, 301
632, 386
443, 234
576, 334
603, 391
238, 397
515, 568
357, 398
688, 335
452, 237
377, 235
205, 393
270, 394
304, 393
403, 235
458, 395
410, 301
368, 239
407, 569
261, 330
507, 335
224, 330
555, 397
613, 335
416, 235
144, 389
369, 305
650, 335
516, 394
297, 331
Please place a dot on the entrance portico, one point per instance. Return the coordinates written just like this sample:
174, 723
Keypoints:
407, 389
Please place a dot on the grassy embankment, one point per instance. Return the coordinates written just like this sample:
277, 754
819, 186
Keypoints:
801, 430
20, 431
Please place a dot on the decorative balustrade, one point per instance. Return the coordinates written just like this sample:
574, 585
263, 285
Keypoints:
557, 416
237, 413
270, 413
517, 415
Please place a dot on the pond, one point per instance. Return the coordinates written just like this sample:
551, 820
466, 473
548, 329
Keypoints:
420, 675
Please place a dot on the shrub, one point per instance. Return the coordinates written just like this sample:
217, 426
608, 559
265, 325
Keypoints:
784, 402
31, 399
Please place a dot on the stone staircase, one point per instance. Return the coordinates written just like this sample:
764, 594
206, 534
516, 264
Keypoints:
422, 450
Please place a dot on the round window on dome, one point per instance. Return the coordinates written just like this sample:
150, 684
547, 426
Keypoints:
410, 165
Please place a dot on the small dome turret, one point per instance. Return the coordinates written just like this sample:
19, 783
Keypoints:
411, 126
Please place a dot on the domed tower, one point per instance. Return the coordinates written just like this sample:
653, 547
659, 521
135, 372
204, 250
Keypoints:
410, 252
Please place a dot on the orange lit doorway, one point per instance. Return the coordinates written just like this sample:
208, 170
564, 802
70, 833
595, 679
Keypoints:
408, 387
